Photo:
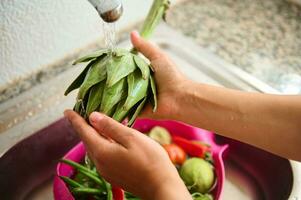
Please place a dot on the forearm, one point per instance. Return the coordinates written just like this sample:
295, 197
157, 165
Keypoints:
270, 122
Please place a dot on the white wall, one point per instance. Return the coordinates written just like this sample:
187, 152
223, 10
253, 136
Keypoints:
35, 33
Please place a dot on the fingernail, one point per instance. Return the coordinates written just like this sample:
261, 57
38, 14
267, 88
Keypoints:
65, 113
95, 117
67, 116
136, 33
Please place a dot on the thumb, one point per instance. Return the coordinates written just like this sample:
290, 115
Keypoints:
148, 49
110, 128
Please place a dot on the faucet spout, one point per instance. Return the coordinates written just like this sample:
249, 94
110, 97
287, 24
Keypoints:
109, 10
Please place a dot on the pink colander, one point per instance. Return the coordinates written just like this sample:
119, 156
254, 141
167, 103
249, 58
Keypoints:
77, 154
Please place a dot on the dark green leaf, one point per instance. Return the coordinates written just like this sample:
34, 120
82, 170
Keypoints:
143, 66
79, 80
120, 113
137, 89
154, 93
95, 96
112, 111
91, 56
96, 74
112, 95
137, 112
77, 106
83, 111
119, 67
84, 103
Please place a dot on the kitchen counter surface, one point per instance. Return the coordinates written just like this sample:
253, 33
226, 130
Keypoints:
261, 37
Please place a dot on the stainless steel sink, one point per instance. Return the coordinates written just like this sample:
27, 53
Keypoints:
29, 165
27, 169
28, 160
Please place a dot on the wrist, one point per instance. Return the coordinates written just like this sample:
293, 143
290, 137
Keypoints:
185, 100
173, 189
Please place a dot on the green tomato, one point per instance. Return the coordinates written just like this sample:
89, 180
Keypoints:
197, 174
160, 135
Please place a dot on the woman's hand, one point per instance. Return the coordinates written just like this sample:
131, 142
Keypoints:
170, 82
129, 159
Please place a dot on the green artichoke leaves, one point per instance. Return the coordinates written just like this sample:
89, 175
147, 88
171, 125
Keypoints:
117, 84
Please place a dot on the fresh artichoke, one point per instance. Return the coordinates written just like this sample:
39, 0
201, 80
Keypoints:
116, 83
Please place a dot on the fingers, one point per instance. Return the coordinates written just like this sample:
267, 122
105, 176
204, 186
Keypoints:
111, 128
148, 49
88, 135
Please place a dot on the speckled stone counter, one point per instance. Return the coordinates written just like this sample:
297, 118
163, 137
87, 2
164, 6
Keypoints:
261, 36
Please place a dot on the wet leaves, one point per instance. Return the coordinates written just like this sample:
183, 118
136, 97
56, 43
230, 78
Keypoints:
116, 83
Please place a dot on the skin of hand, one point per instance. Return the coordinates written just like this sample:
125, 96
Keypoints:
270, 122
128, 158
170, 81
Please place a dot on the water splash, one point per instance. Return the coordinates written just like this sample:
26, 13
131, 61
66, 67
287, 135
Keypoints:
109, 30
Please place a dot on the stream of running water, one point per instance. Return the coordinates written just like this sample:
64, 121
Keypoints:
109, 30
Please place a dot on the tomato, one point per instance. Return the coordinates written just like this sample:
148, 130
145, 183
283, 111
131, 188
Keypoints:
176, 154
192, 148
203, 145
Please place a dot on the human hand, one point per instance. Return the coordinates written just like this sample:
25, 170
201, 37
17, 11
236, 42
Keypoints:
129, 159
170, 81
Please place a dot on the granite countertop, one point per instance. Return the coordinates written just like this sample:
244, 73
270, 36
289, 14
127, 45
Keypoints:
261, 37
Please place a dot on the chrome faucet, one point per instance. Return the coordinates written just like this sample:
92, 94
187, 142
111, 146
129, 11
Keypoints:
109, 10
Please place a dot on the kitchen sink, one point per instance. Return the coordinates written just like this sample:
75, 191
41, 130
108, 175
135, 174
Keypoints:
27, 169
27, 164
